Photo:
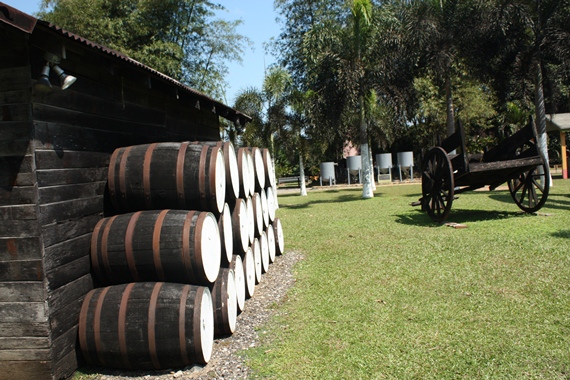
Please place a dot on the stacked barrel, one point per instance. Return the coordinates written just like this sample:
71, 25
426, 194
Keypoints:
194, 231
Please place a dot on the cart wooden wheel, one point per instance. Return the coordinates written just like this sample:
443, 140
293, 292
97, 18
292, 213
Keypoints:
437, 184
530, 189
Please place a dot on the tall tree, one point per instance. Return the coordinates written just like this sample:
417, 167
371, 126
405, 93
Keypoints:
180, 38
435, 30
297, 18
534, 36
299, 120
268, 108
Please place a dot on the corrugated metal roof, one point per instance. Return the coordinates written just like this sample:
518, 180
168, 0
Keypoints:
17, 19
558, 122
29, 23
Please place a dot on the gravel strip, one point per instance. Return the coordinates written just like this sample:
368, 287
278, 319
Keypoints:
225, 363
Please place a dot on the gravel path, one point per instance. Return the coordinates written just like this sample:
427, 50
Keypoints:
225, 363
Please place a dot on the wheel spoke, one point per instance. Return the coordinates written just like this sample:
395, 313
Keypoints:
532, 198
538, 182
440, 203
435, 201
518, 183
523, 193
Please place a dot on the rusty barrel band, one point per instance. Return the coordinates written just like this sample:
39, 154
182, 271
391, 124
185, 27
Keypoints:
83, 326
104, 250
111, 178
197, 323
122, 177
146, 174
242, 184
182, 325
94, 245
129, 246
223, 290
212, 185
186, 238
97, 325
122, 324
152, 325
156, 245
202, 175
198, 245
180, 174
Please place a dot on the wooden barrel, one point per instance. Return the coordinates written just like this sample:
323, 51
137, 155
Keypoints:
250, 218
263, 246
270, 242
226, 234
244, 174
258, 168
167, 175
249, 272
251, 170
271, 203
237, 266
256, 249
168, 245
240, 226
269, 168
279, 241
224, 301
264, 208
230, 161
257, 214
147, 325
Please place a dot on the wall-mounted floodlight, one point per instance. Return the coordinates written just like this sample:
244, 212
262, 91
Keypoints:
43, 84
52, 61
66, 80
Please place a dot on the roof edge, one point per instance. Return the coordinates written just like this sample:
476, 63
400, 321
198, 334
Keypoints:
17, 18
28, 24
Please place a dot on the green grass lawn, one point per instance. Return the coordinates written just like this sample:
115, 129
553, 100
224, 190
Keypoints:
383, 292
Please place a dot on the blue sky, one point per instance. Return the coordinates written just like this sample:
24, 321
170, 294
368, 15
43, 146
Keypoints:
258, 24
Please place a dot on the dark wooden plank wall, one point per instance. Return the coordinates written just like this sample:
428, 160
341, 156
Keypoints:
75, 133
24, 319
54, 152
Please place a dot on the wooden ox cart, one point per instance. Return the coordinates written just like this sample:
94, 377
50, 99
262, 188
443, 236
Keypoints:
516, 161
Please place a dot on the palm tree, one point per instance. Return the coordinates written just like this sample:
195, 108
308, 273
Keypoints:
361, 18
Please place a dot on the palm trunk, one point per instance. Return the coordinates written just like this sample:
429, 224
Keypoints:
302, 176
372, 180
540, 108
540, 122
367, 192
364, 155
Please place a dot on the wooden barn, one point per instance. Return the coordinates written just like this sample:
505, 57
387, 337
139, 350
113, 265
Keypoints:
55, 147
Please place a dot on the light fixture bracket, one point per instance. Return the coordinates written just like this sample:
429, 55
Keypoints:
53, 59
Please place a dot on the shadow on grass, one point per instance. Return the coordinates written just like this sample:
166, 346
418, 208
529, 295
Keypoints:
502, 196
562, 234
461, 216
343, 197
556, 201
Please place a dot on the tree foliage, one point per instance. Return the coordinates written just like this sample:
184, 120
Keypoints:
181, 38
424, 64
